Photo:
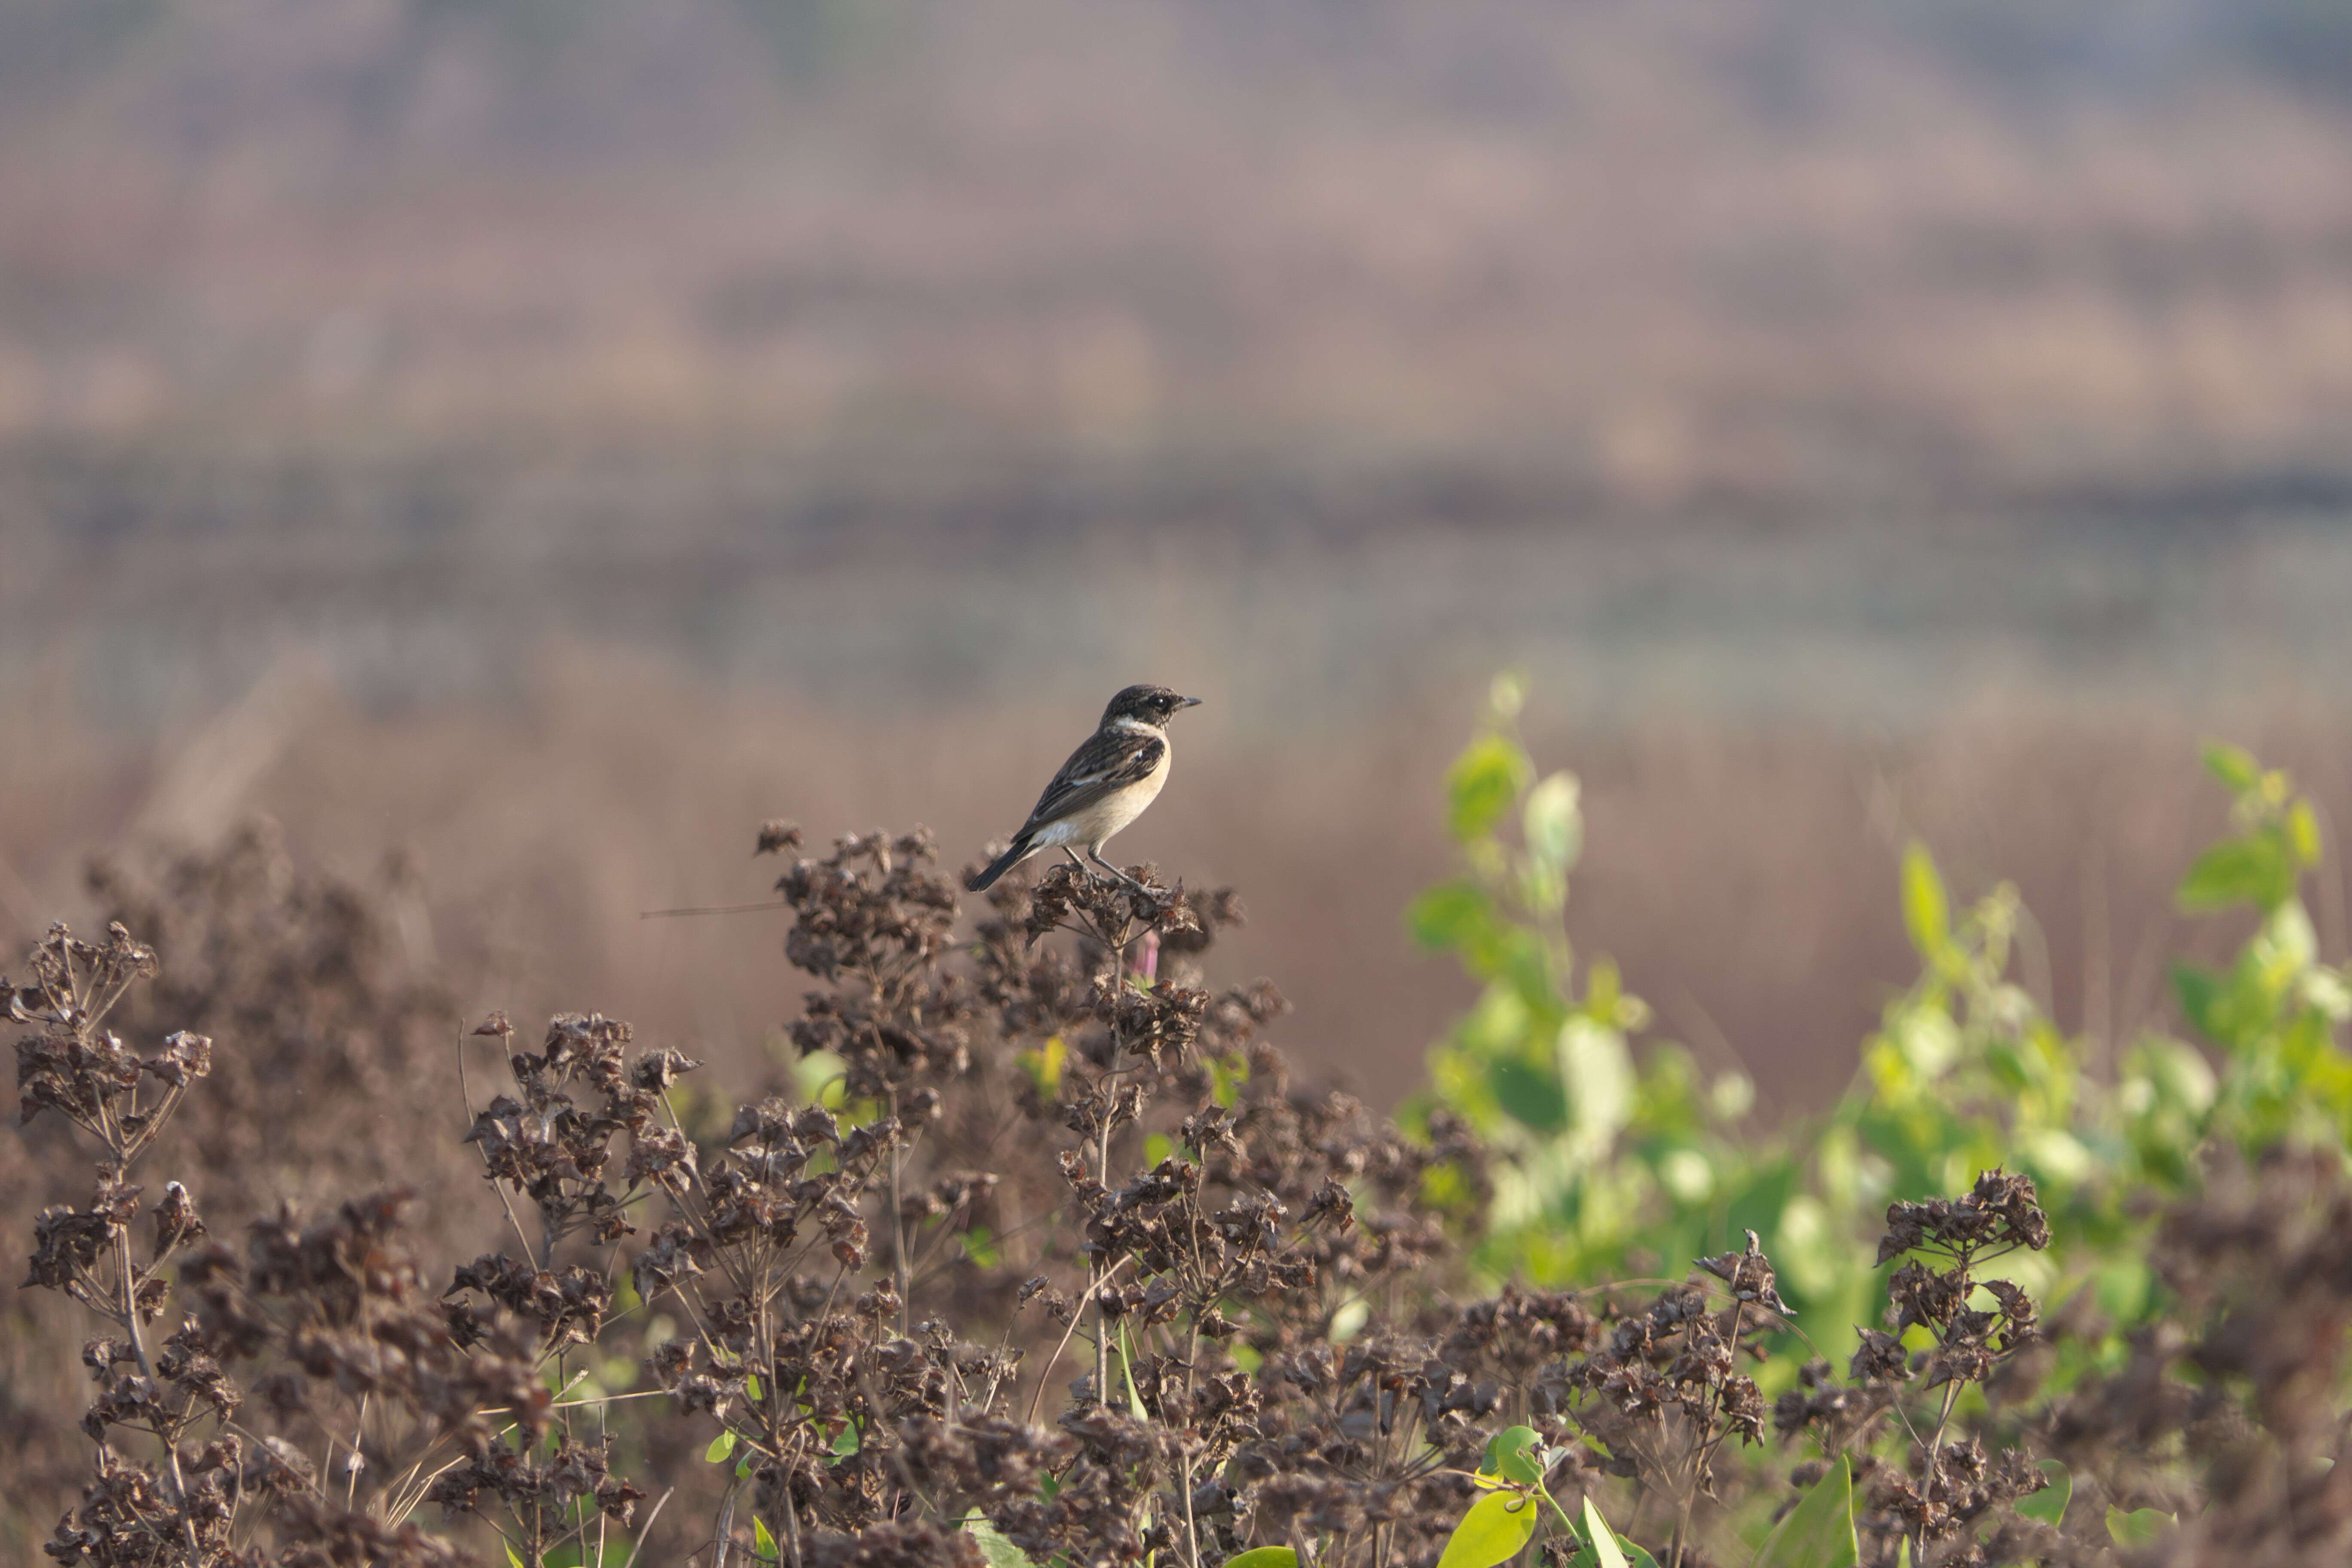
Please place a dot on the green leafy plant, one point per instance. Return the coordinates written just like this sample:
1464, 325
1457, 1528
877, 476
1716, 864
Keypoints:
1819, 1532
1604, 1153
1617, 1152
1614, 1157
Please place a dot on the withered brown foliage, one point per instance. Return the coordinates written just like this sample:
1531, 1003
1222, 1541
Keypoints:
1954, 1502
1060, 1255
313, 977
2230, 1413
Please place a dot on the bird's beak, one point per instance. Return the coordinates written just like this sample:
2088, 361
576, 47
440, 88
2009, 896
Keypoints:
1190, 702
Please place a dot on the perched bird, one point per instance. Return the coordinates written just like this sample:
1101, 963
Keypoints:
1104, 786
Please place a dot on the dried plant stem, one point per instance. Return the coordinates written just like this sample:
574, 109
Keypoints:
1191, 1527
792, 1527
1044, 1378
901, 1271
127, 1287
726, 1534
644, 1532
351, 1460
466, 1093
1102, 1311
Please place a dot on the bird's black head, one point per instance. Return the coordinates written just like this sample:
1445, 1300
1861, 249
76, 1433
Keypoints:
1145, 705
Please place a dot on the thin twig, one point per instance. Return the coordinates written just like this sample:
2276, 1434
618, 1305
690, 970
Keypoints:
643, 1535
726, 1536
1076, 1311
352, 1461
465, 1092
715, 910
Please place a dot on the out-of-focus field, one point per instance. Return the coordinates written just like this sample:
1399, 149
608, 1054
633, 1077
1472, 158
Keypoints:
1018, 261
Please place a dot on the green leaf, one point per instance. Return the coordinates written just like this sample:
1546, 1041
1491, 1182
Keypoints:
1127, 1372
1595, 1061
1482, 784
2049, 1504
751, 1387
2138, 1527
1819, 1532
2303, 832
1549, 823
720, 1448
1927, 910
1043, 1066
2204, 999
978, 1243
1261, 1557
1531, 1096
1449, 915
513, 1560
2177, 1073
1496, 1526
2253, 869
1226, 1076
2233, 765
1508, 1456
1606, 1553
1517, 957
994, 1546
763, 1542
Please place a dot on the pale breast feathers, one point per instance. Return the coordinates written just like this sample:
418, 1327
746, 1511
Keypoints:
1110, 761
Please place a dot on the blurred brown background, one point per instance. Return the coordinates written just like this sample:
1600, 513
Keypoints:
543, 438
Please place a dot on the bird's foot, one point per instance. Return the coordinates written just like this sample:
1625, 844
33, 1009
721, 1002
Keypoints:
1121, 878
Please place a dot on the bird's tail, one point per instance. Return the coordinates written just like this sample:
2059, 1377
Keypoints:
1018, 852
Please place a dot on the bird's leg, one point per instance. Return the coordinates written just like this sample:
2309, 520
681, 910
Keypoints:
1083, 869
1116, 874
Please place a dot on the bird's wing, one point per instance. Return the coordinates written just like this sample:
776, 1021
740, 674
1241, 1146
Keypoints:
1108, 761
